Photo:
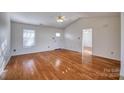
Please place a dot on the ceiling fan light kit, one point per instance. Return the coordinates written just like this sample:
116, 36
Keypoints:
60, 19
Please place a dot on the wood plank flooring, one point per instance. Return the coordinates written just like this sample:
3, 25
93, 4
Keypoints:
60, 65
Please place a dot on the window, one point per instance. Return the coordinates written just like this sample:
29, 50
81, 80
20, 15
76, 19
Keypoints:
28, 38
58, 34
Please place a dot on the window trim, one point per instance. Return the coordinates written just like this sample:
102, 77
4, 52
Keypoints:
34, 38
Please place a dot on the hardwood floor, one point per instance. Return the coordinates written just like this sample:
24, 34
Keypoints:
60, 65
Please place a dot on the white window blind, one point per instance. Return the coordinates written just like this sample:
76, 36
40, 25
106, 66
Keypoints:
28, 38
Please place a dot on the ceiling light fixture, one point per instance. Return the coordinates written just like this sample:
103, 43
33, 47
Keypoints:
60, 19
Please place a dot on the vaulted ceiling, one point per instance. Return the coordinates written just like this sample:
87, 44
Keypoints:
49, 18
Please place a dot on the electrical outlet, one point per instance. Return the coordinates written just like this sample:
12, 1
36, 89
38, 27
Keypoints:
112, 53
14, 50
48, 46
79, 38
53, 38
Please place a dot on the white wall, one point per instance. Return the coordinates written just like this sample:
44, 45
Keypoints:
122, 44
106, 36
4, 40
43, 38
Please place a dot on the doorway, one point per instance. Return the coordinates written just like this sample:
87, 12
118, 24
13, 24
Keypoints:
87, 45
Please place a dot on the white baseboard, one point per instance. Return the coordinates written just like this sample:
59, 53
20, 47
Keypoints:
107, 57
121, 77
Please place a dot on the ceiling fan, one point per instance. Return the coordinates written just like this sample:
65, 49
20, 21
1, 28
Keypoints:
60, 19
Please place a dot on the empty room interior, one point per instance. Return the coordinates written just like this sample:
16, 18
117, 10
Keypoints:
61, 46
